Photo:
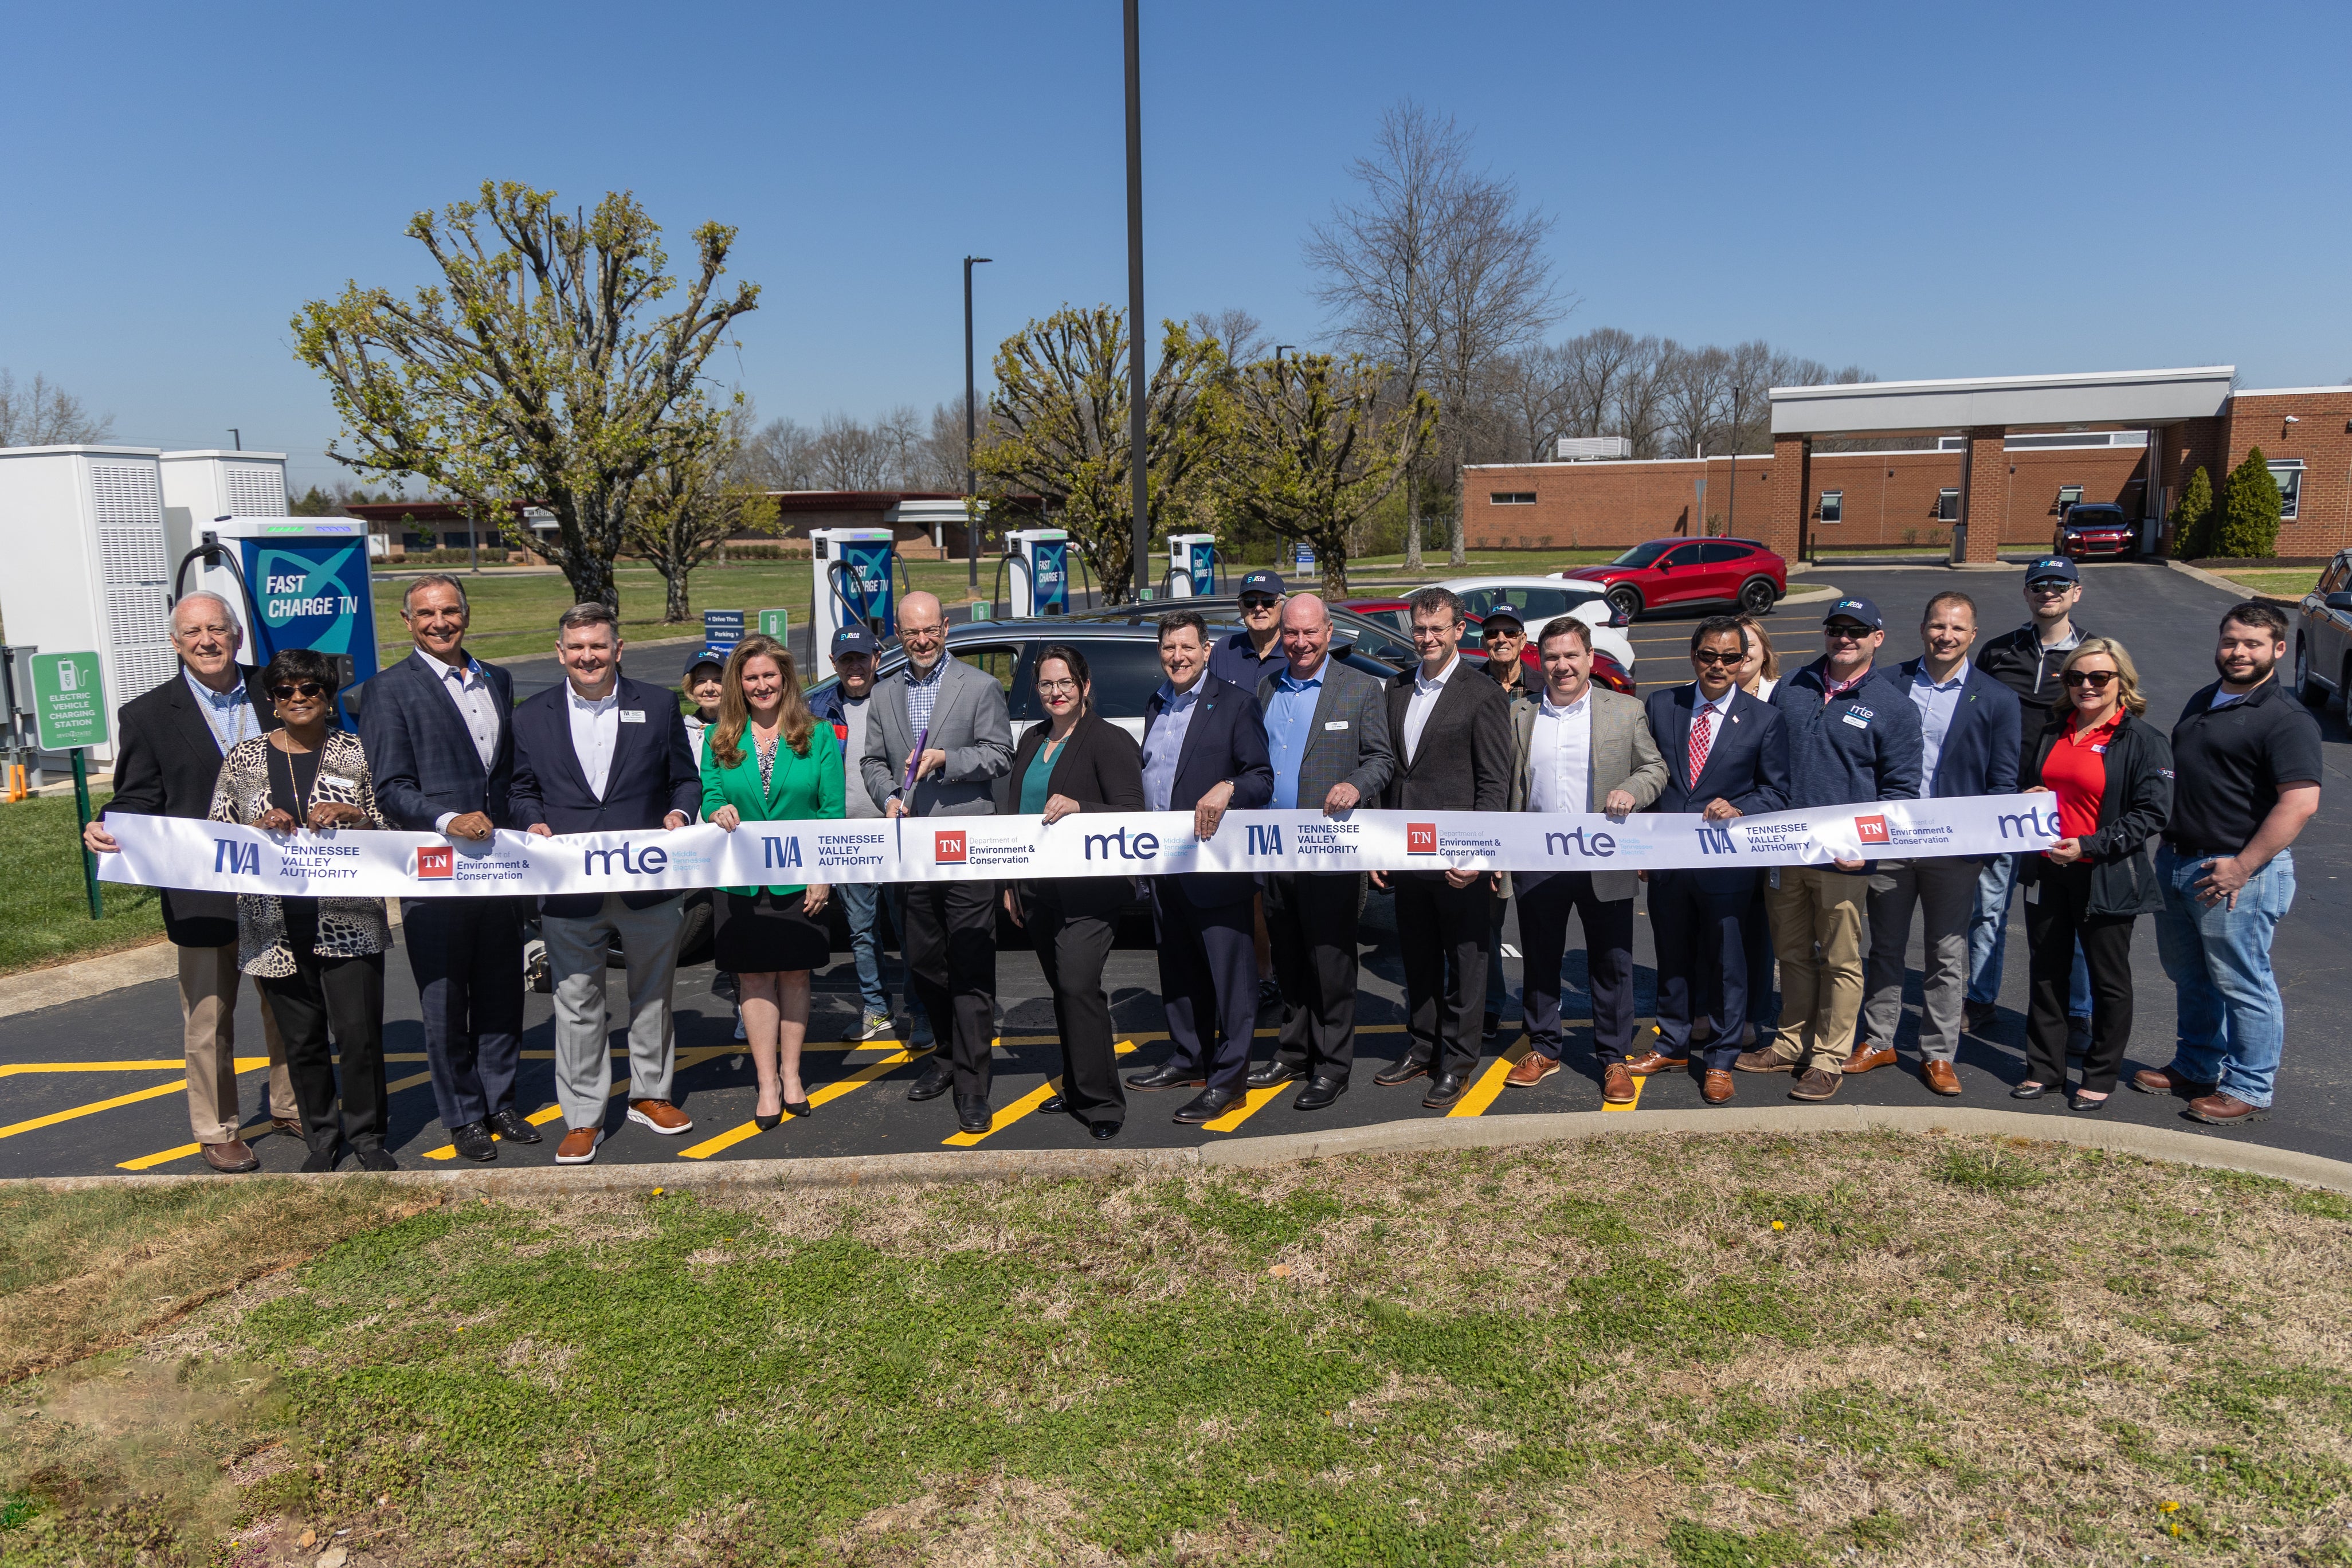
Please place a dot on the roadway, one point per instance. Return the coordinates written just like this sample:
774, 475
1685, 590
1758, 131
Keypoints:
93, 1085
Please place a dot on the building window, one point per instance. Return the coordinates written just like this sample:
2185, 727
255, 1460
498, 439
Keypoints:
2289, 476
2069, 497
1948, 506
1832, 506
1511, 497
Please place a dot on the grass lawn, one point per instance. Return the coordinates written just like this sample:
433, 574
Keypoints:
1684, 1352
2291, 584
46, 916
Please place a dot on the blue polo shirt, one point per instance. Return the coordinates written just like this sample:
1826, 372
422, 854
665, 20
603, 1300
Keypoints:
1289, 726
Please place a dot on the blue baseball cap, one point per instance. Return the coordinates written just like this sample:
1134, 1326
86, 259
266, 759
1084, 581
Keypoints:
1861, 610
2053, 568
1501, 612
701, 657
1263, 582
854, 638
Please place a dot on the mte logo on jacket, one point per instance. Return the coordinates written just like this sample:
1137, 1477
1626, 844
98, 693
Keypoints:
1421, 839
949, 847
1870, 830
435, 865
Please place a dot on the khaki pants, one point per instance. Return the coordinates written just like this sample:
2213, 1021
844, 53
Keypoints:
1816, 914
208, 977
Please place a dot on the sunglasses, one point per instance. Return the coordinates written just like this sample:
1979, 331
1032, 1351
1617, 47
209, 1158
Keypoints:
1256, 602
1714, 656
1846, 633
2097, 680
298, 689
2055, 585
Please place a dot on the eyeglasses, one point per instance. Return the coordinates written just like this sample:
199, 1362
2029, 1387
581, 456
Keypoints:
1846, 633
1256, 602
1070, 686
1714, 656
298, 689
2097, 680
2044, 590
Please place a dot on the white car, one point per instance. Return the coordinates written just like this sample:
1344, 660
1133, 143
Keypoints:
1539, 599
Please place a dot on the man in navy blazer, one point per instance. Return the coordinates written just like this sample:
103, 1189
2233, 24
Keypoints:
603, 753
1203, 751
1727, 755
438, 730
1970, 726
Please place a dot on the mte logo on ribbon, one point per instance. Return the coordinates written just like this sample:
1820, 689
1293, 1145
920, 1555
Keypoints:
435, 865
1870, 830
1421, 839
949, 850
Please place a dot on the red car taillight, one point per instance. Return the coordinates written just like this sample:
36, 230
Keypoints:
1610, 674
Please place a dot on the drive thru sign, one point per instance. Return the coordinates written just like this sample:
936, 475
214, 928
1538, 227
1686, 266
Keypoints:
68, 701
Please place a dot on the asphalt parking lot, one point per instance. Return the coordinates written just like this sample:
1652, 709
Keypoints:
94, 1086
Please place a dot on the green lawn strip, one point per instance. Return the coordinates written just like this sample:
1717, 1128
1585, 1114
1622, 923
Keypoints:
45, 919
2292, 584
1576, 1353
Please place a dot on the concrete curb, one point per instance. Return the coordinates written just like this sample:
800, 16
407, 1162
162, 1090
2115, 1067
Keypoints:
87, 978
1387, 1138
2236, 590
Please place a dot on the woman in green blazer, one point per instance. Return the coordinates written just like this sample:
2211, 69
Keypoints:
766, 759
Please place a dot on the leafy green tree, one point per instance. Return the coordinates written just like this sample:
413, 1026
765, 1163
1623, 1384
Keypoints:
1315, 451
2249, 517
536, 370
2192, 518
1057, 429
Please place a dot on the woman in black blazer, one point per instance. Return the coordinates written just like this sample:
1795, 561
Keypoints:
1077, 761
2110, 774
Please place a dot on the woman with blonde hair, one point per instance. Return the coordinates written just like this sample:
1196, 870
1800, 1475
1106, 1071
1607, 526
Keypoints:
1759, 672
766, 759
2110, 773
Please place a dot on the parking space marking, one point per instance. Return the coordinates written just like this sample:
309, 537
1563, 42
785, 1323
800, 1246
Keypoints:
1639, 1084
153, 1064
538, 1118
1025, 1104
1481, 1094
1254, 1101
165, 1156
94, 1107
858, 1079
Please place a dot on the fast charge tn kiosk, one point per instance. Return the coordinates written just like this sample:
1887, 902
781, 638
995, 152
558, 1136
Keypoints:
1191, 565
1040, 561
292, 582
854, 568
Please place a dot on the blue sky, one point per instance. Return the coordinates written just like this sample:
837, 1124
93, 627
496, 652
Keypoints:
1925, 191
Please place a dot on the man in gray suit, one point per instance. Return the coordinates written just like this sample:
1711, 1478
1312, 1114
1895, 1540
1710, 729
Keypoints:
1327, 732
1579, 748
936, 738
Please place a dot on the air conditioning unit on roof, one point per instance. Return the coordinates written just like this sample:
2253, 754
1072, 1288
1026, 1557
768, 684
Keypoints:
1594, 448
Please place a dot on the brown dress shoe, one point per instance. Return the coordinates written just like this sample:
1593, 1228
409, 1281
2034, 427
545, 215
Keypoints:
1617, 1085
1815, 1084
286, 1124
579, 1146
2164, 1080
1765, 1060
1715, 1088
1941, 1077
2225, 1110
1867, 1057
1531, 1070
231, 1158
1652, 1061
660, 1115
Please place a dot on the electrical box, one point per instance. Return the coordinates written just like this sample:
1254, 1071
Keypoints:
199, 486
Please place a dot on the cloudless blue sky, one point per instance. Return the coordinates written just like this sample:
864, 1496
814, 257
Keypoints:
1925, 191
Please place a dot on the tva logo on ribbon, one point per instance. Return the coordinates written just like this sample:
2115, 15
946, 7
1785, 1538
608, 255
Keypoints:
1421, 839
949, 847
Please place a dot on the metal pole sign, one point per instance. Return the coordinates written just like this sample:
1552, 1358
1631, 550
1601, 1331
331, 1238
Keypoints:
721, 630
69, 712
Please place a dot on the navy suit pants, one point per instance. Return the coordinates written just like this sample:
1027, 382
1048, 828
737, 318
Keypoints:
1546, 903
1208, 982
1699, 921
467, 956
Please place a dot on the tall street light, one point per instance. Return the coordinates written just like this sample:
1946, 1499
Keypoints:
1136, 336
971, 438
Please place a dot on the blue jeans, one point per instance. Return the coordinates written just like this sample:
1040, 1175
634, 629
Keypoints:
860, 903
1989, 939
2232, 1020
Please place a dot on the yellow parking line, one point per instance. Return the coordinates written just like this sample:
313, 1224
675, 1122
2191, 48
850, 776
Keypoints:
150, 1063
1025, 1104
538, 1118
826, 1096
1481, 1094
1252, 1103
1638, 1084
244, 1064
93, 1108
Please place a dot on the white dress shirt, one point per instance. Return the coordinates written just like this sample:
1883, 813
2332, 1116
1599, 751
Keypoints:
1559, 756
1720, 708
1426, 689
595, 730
1938, 707
477, 709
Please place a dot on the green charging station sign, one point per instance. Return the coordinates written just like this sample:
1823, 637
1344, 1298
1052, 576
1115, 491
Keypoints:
68, 701
775, 624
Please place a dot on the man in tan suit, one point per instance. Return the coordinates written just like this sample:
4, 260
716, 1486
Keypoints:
1580, 749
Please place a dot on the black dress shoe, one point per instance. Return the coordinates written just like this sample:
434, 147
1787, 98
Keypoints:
511, 1126
1444, 1088
1103, 1131
319, 1162
1404, 1071
2028, 1091
1493, 1027
375, 1157
1274, 1072
1208, 1105
1054, 1107
473, 1140
1168, 1075
972, 1114
937, 1080
1319, 1093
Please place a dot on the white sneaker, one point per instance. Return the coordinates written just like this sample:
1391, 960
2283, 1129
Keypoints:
739, 1032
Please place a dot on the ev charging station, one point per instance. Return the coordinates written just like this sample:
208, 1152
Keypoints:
292, 582
1191, 565
853, 583
1039, 559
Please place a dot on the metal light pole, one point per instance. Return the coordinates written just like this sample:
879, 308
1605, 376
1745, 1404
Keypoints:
1731, 506
970, 438
1136, 336
236, 436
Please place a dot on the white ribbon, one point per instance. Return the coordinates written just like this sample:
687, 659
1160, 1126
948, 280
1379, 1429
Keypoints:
174, 852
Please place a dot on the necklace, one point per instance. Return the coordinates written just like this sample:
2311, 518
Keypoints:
293, 787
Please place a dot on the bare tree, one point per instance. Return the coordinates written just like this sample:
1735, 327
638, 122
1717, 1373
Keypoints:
1533, 397
1697, 396
1242, 336
779, 456
44, 414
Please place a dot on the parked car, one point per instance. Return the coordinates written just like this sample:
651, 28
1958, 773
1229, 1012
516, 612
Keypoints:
1539, 599
1688, 573
2095, 528
1605, 667
2323, 637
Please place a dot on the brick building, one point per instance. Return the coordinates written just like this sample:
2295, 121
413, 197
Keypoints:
2003, 454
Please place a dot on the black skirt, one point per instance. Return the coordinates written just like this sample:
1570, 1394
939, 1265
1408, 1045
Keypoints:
767, 935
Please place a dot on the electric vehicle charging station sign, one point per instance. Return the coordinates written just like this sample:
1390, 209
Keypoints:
1050, 576
866, 594
68, 701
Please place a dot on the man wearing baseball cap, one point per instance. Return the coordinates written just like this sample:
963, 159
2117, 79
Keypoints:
1502, 635
844, 706
1854, 738
1255, 652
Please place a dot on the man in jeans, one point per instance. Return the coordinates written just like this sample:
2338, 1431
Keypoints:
2248, 758
844, 706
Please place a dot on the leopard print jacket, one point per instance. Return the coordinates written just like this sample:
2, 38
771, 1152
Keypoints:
348, 928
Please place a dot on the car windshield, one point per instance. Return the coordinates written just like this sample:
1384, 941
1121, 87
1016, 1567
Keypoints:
1643, 554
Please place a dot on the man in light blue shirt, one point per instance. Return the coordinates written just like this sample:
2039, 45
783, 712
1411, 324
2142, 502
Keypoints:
1165, 743
1289, 726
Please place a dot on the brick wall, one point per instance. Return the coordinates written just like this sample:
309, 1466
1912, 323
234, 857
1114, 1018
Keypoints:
2323, 523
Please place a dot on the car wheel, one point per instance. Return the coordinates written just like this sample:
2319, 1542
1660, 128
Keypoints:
1626, 602
1756, 596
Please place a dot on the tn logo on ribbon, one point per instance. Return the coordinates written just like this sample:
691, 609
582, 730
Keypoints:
947, 848
1870, 830
1421, 839
435, 865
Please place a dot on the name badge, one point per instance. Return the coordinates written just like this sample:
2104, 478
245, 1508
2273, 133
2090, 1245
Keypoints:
1857, 723
633, 715
353, 783
1337, 724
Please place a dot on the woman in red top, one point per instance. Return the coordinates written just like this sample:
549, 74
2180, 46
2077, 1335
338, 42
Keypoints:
2112, 775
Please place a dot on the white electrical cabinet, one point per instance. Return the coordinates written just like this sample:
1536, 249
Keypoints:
199, 486
81, 530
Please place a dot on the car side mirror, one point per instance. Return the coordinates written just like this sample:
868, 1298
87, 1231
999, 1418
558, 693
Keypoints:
2339, 601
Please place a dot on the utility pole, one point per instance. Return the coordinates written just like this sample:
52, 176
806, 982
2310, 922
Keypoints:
1136, 335
970, 439
1731, 506
236, 436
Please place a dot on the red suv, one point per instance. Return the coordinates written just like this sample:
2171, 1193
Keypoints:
1680, 573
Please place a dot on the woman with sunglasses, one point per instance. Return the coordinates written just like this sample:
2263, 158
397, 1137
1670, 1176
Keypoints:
320, 960
766, 759
1074, 762
2111, 773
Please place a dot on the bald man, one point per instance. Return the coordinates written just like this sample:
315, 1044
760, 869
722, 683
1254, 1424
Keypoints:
938, 736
